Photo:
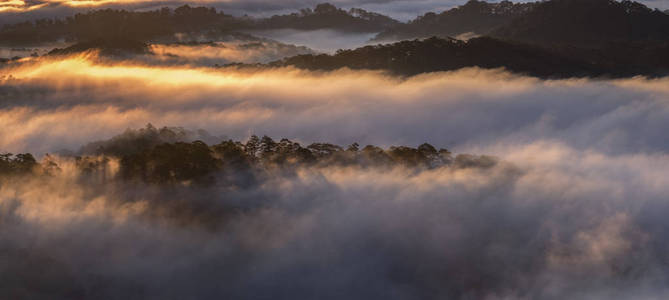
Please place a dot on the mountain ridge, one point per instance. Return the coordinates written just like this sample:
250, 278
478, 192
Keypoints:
577, 22
478, 17
435, 54
587, 22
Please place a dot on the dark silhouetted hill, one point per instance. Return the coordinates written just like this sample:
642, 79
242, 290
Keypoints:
587, 23
551, 22
478, 17
436, 54
106, 47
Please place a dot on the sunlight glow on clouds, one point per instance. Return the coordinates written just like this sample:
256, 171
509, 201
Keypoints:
466, 109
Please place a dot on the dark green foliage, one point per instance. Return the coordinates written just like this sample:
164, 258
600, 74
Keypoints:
18, 164
375, 155
288, 152
196, 162
172, 163
232, 155
252, 146
137, 140
267, 147
408, 156
160, 156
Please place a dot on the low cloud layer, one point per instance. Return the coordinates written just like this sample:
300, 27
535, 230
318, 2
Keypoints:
49, 105
550, 222
573, 210
324, 40
221, 53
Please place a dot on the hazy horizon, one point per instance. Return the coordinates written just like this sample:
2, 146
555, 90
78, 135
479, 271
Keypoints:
403, 10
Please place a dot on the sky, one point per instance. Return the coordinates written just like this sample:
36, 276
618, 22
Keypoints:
404, 10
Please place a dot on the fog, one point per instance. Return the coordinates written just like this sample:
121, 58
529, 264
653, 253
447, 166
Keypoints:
221, 53
573, 210
46, 101
324, 40
548, 223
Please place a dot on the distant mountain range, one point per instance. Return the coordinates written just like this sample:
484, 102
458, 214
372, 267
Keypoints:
165, 23
548, 39
574, 22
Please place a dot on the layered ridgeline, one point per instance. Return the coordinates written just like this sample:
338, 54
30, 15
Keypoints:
550, 39
220, 49
574, 22
166, 22
414, 57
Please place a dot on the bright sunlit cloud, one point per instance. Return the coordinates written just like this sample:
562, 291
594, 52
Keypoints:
467, 109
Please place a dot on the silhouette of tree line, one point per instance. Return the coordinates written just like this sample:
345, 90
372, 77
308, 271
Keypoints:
144, 157
11, 164
437, 54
